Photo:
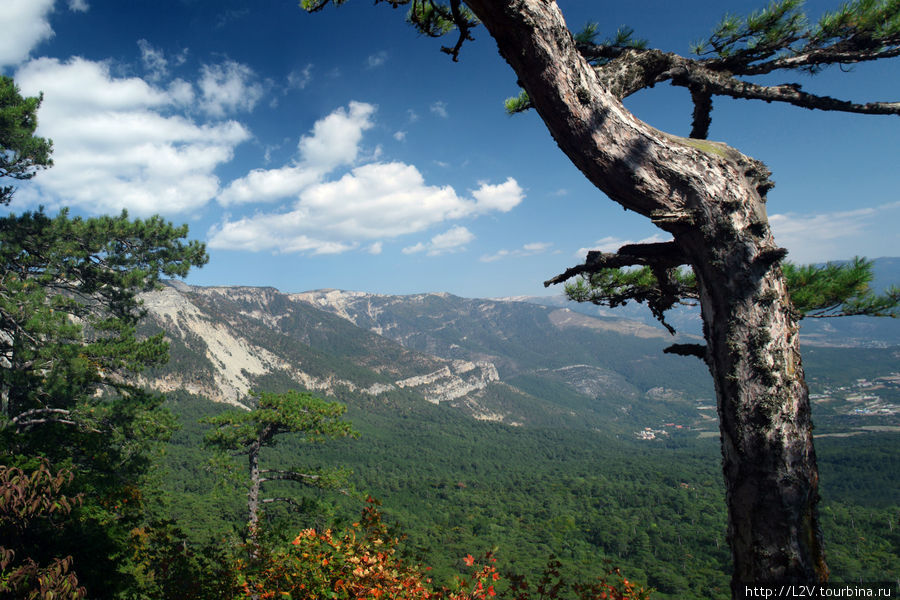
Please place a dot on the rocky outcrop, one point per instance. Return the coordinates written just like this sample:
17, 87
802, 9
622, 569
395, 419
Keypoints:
455, 380
234, 362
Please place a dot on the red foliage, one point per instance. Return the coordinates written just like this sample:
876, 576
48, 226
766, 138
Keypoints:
363, 564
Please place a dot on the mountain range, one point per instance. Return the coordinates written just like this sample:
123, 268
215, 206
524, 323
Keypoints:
505, 360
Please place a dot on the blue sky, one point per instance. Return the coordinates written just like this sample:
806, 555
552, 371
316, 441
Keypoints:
343, 150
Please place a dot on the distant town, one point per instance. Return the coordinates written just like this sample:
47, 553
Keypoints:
877, 397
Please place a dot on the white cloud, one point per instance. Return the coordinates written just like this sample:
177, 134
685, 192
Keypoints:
335, 139
399, 135
154, 61
612, 244
78, 6
268, 185
526, 250
334, 142
114, 145
503, 197
25, 25
300, 78
440, 109
372, 202
376, 60
376, 248
452, 240
228, 88
839, 235
181, 92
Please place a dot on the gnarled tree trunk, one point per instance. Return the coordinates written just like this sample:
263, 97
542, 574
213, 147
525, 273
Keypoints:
711, 198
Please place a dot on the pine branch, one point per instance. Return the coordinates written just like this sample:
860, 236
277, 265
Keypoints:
665, 255
697, 350
280, 475
814, 60
658, 282
694, 76
42, 416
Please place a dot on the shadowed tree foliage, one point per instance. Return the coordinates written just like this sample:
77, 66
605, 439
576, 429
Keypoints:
30, 502
70, 349
711, 199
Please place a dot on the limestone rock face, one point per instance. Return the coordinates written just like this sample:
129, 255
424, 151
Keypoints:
225, 339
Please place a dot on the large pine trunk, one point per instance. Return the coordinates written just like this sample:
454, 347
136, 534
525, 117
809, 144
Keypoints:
711, 198
753, 353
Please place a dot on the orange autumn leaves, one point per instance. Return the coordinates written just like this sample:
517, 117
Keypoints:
363, 564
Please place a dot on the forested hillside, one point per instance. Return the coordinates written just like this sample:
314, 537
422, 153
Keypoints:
566, 476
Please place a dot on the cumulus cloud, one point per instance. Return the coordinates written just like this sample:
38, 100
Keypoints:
526, 250
452, 240
838, 235
334, 142
335, 139
25, 25
78, 6
116, 146
371, 202
228, 88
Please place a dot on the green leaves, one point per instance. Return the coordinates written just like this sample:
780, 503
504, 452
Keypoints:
758, 35
615, 287
69, 307
839, 289
857, 31
517, 104
874, 20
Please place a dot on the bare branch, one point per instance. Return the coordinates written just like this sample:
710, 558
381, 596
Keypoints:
698, 350
702, 99
290, 501
42, 416
694, 76
279, 475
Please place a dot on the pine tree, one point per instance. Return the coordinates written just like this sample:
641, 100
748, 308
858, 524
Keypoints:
21, 152
248, 432
70, 349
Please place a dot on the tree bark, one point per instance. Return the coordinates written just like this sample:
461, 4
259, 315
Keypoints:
253, 493
711, 198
